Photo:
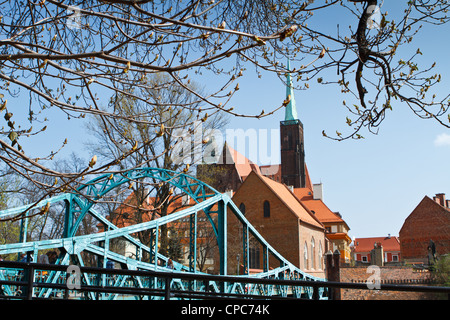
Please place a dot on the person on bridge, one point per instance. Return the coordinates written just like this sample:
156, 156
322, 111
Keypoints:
43, 258
52, 257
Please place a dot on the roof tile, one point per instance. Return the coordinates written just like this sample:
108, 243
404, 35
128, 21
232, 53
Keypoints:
367, 244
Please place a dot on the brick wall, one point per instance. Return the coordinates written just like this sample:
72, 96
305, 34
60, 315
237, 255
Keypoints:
395, 275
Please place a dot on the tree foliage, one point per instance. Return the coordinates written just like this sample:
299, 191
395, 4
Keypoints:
67, 56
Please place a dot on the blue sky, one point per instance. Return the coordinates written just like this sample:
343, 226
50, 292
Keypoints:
374, 183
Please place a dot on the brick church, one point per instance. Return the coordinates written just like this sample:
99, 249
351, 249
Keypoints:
280, 201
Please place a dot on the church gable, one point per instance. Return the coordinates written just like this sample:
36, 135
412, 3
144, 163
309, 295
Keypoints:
258, 189
428, 221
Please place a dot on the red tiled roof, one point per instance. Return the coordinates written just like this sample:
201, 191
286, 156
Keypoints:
367, 244
303, 194
317, 206
243, 165
322, 212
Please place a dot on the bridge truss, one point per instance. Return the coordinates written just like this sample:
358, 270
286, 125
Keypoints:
78, 205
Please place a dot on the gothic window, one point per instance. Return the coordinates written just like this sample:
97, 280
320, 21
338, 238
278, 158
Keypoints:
320, 256
254, 257
313, 264
266, 209
305, 256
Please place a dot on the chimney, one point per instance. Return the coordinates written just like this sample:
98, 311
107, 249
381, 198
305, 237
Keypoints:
448, 203
440, 198
318, 191
377, 255
185, 200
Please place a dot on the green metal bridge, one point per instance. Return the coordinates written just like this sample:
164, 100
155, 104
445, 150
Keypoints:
152, 278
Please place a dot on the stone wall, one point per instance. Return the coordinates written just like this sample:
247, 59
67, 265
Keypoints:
391, 275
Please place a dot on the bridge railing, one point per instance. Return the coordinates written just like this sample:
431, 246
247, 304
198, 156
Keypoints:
26, 284
20, 280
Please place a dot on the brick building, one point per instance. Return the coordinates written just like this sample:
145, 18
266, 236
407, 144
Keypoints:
429, 221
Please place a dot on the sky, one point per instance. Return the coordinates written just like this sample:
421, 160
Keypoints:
374, 183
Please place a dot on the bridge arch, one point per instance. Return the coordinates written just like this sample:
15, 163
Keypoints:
213, 203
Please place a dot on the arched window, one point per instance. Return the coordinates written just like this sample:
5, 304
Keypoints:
254, 257
320, 256
266, 209
313, 252
242, 208
305, 256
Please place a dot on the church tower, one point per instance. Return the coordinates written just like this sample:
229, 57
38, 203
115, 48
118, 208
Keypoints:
293, 171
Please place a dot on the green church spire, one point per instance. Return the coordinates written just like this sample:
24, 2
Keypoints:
291, 108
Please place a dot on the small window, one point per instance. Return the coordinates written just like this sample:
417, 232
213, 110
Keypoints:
289, 144
242, 208
266, 209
